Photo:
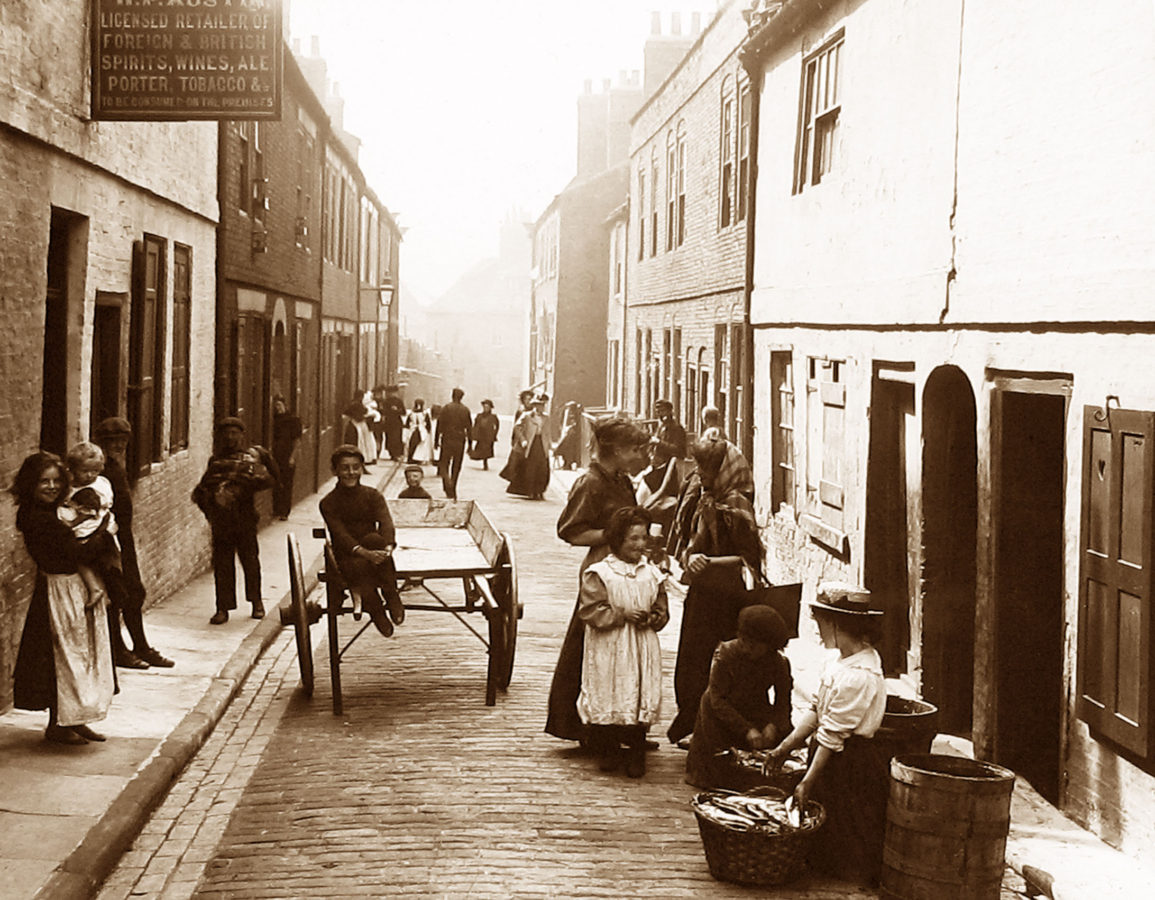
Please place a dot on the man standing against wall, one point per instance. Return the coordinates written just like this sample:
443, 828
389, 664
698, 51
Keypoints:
236, 471
454, 432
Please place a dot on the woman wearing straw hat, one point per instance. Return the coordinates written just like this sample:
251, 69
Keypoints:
847, 772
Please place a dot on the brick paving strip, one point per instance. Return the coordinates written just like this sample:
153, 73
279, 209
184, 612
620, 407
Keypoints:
419, 789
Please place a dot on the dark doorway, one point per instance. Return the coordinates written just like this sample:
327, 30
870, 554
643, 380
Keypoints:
1028, 584
950, 520
106, 356
63, 229
885, 560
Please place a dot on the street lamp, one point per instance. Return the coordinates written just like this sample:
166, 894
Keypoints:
384, 290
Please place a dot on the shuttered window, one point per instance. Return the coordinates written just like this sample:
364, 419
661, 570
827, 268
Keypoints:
181, 343
146, 356
1115, 660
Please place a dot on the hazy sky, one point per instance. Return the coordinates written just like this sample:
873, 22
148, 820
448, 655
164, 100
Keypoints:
466, 108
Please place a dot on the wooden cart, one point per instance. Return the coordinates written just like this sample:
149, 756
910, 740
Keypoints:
436, 539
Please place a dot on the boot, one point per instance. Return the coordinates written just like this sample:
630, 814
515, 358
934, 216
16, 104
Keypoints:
376, 611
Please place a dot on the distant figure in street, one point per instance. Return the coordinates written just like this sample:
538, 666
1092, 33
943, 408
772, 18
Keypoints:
356, 430
377, 422
623, 605
516, 455
531, 437
568, 450
712, 424
454, 434
112, 435
363, 537
418, 425
663, 482
64, 663
485, 428
235, 473
619, 454
286, 440
413, 489
393, 421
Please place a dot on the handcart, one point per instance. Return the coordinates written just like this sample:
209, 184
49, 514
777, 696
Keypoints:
436, 539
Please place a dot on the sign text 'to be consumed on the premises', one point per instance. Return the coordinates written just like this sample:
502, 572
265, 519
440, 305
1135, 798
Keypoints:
186, 59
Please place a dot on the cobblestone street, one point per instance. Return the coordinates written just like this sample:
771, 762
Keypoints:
419, 788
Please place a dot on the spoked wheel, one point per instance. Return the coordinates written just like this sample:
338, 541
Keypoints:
298, 615
505, 593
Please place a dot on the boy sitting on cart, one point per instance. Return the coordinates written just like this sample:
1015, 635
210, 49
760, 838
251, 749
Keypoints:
363, 538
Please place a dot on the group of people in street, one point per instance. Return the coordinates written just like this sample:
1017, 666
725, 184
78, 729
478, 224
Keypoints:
732, 681
76, 518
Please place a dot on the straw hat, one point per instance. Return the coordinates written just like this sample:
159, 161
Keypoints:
846, 599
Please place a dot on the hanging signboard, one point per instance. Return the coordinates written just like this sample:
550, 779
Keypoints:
165, 60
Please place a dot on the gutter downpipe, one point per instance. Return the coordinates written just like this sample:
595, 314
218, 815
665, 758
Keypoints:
753, 69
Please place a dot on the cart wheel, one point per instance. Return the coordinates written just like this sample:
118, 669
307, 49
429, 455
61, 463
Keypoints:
299, 615
505, 593
334, 599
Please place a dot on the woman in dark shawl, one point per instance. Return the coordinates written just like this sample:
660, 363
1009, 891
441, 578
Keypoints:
620, 452
64, 663
714, 536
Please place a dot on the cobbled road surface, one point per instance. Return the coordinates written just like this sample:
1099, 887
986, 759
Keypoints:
419, 789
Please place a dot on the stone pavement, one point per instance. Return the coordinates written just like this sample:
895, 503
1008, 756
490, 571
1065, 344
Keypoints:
418, 789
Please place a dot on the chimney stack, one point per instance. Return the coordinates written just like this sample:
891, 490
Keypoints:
676, 24
655, 23
315, 46
695, 23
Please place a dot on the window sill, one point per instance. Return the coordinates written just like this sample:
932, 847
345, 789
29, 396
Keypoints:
824, 534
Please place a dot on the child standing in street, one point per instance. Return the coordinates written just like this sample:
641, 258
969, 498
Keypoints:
623, 605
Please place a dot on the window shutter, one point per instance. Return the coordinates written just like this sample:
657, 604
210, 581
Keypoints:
142, 357
1114, 665
833, 421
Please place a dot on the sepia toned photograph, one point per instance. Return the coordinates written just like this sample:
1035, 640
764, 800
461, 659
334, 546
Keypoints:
612, 449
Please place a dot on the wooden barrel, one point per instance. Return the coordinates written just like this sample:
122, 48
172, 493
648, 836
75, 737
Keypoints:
946, 828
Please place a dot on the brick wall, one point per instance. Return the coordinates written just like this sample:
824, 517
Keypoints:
120, 181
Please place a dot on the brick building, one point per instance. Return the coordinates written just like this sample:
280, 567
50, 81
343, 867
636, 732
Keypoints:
952, 320
570, 287
308, 261
106, 291
685, 336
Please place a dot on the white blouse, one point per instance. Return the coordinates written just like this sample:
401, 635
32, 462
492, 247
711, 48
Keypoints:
851, 699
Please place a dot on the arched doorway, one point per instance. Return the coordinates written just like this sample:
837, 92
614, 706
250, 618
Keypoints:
950, 520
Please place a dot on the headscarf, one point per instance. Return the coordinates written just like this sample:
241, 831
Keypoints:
718, 521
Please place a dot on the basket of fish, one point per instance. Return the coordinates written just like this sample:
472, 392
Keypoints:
759, 837
743, 770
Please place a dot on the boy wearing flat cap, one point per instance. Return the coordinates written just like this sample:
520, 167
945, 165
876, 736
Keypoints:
236, 471
413, 489
848, 773
736, 710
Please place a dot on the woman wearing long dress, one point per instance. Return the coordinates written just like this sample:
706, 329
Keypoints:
64, 663
485, 429
531, 436
417, 428
516, 456
620, 452
714, 536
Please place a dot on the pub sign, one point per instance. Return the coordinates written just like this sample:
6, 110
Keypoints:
169, 60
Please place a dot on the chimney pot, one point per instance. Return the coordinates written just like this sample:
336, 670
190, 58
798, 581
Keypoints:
655, 22
315, 45
675, 23
622, 81
695, 22
607, 83
589, 86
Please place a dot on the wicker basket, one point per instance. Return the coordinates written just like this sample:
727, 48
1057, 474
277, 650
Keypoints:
757, 857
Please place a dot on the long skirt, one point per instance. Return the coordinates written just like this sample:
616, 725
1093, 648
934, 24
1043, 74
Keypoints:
531, 478
853, 787
563, 720
710, 616
64, 661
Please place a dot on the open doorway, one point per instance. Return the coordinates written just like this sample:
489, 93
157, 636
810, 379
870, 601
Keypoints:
67, 235
1028, 457
885, 561
950, 521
